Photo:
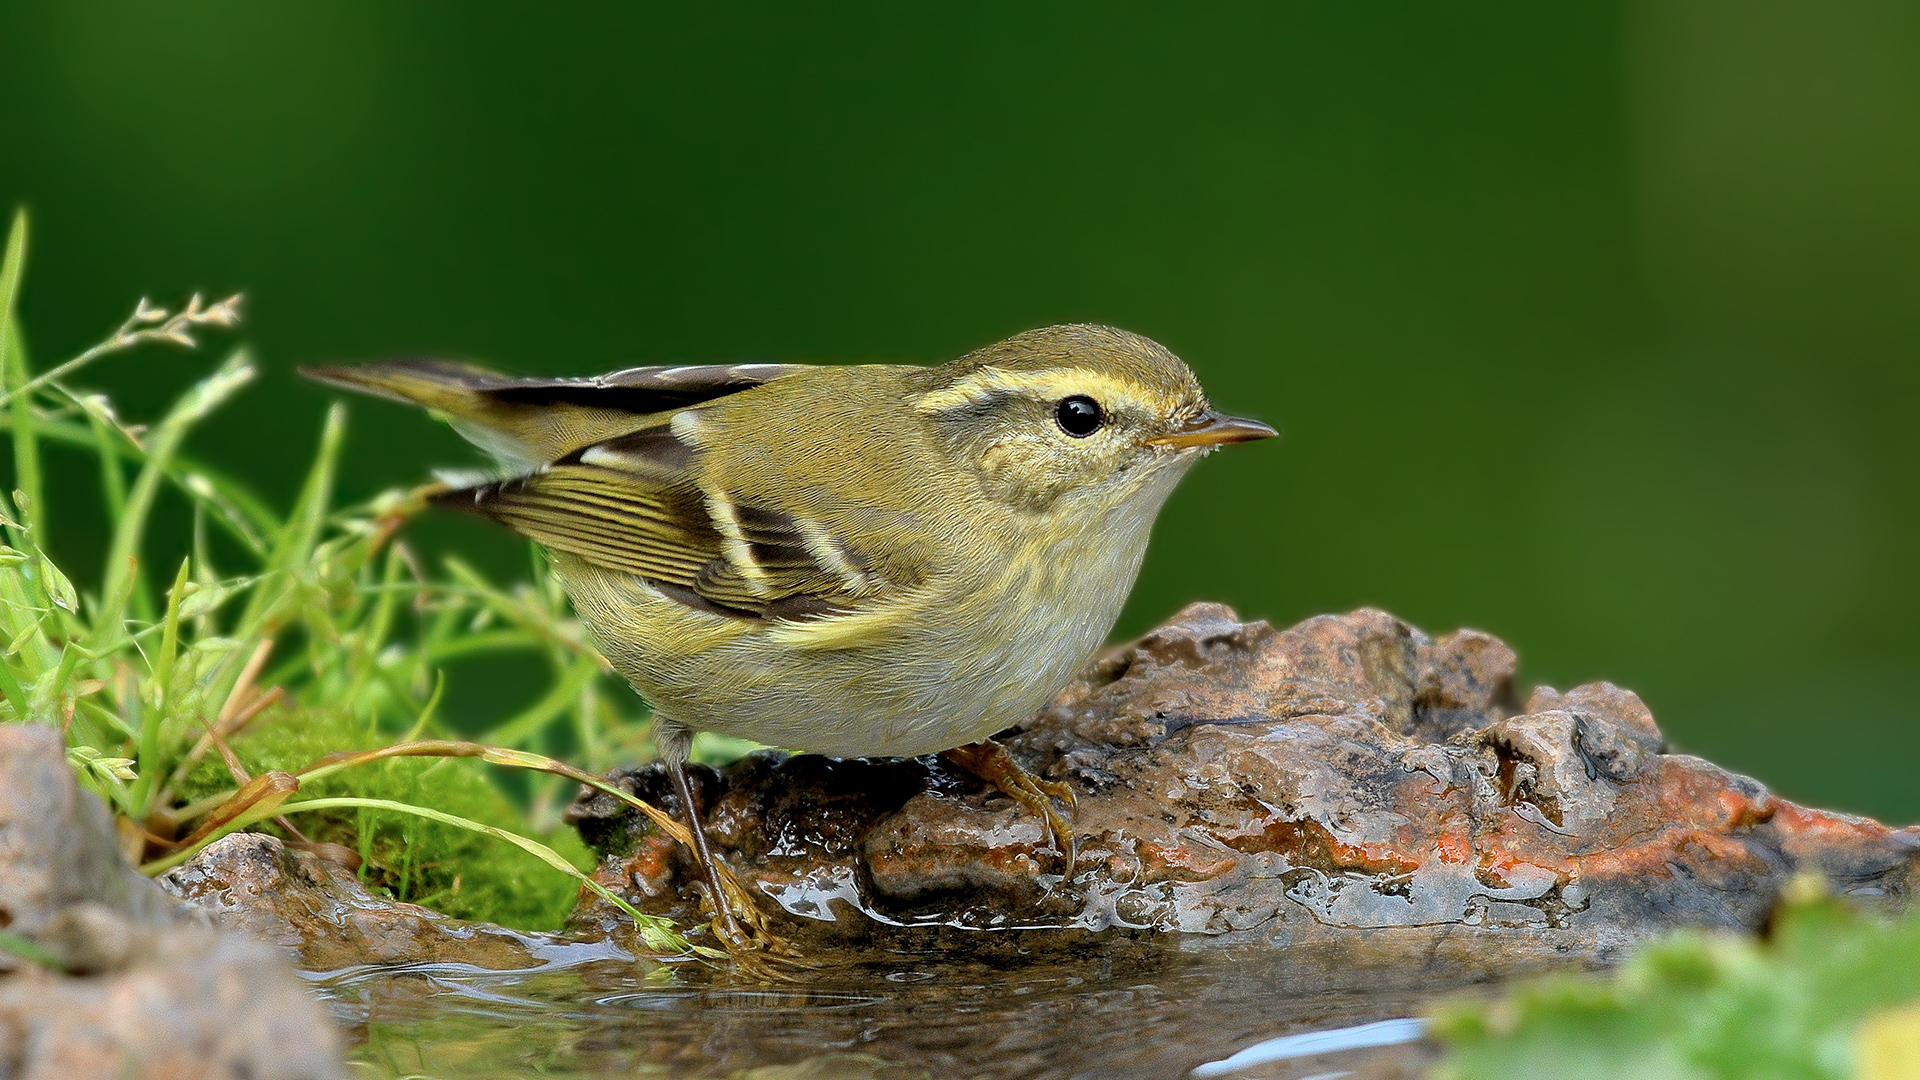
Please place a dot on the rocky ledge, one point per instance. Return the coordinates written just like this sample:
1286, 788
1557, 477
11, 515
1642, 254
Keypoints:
1349, 780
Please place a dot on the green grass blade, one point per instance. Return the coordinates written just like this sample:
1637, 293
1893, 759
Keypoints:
293, 544
192, 407
238, 510
113, 482
109, 627
453, 648
426, 713
10, 686
302, 530
563, 635
27, 950
170, 631
151, 765
13, 366
364, 658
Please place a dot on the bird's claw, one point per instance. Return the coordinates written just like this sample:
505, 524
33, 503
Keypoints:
992, 763
741, 929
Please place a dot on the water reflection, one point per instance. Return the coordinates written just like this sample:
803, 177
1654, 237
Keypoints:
901, 1016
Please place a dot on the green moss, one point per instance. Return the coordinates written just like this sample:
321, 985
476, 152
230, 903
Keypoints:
1703, 1006
455, 871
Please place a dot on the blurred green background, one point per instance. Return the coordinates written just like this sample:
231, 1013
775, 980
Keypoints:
1593, 326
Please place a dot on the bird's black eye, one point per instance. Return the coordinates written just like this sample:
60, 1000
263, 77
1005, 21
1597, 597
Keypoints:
1079, 415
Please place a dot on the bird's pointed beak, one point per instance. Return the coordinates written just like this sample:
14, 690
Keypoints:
1212, 428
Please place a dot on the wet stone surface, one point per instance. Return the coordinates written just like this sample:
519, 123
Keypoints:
1348, 781
320, 913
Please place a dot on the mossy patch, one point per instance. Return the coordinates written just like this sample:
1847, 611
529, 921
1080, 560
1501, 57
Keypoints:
461, 873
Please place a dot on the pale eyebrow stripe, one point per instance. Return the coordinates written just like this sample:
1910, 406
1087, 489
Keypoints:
1056, 382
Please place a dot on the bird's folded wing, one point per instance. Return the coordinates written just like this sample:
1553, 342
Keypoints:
635, 504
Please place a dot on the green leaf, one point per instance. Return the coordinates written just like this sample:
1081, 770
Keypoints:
206, 599
1702, 1005
59, 589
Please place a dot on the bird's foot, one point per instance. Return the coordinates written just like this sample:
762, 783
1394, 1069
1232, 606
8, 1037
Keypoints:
740, 927
992, 763
752, 947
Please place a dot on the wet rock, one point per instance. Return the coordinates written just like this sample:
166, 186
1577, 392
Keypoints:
1465, 679
320, 913
1347, 781
57, 844
193, 1003
138, 986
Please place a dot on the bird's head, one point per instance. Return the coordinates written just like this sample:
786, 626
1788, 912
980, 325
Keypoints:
1084, 413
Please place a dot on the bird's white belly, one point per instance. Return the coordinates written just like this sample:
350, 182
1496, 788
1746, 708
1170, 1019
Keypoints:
938, 684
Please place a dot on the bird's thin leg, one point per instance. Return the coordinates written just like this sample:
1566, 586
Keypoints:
736, 921
991, 762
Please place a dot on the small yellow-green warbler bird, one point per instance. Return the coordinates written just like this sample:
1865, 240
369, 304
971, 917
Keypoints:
847, 560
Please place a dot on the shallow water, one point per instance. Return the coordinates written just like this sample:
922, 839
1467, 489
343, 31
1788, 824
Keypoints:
899, 1016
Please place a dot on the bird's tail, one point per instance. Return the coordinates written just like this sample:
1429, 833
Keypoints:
528, 422
443, 385
520, 422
